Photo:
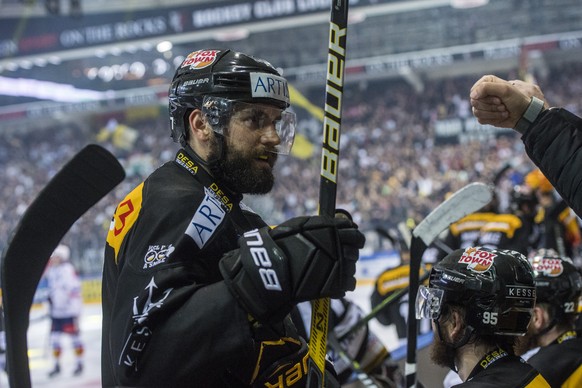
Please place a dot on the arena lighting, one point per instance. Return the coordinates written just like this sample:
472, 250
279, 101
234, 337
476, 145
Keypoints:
159, 66
356, 17
118, 72
23, 87
26, 64
164, 46
463, 4
232, 35
40, 62
55, 60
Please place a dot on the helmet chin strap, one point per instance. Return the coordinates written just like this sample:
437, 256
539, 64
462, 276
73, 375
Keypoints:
211, 164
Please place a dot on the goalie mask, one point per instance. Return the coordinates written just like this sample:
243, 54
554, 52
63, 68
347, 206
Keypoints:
495, 287
218, 82
558, 282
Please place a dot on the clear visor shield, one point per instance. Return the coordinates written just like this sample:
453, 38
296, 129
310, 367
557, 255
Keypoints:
428, 302
255, 117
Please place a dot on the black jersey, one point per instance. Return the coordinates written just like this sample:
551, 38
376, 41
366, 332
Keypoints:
561, 361
168, 318
554, 144
498, 369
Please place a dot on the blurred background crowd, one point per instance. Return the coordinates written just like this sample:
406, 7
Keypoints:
394, 165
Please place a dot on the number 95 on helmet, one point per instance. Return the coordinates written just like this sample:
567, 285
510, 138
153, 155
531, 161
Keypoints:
495, 288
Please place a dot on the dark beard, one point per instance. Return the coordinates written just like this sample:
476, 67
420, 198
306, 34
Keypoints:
235, 170
441, 353
525, 343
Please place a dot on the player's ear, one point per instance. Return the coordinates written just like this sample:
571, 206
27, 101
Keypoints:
539, 319
199, 127
457, 325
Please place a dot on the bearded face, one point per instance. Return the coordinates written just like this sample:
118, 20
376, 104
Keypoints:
246, 171
525, 343
441, 352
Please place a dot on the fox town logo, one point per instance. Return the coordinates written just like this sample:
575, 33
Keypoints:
200, 59
548, 267
477, 260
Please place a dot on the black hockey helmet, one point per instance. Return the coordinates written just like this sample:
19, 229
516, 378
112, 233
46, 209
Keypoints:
226, 74
495, 287
558, 281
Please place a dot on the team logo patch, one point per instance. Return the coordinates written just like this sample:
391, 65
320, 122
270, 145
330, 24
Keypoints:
477, 260
548, 267
200, 59
157, 254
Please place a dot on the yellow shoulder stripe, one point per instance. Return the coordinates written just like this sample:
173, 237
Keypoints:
506, 223
124, 218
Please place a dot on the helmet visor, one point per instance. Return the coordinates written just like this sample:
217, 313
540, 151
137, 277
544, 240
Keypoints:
428, 302
254, 116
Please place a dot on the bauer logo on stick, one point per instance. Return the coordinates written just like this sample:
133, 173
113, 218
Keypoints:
477, 260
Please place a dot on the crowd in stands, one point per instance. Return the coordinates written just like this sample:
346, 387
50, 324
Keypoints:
391, 166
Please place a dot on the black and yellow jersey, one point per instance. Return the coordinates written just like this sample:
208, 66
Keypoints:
169, 319
498, 369
561, 361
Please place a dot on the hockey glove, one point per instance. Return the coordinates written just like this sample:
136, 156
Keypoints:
305, 258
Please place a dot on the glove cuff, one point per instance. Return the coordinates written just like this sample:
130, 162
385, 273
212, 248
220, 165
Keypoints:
256, 276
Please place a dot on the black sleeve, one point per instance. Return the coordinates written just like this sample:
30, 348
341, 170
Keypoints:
554, 144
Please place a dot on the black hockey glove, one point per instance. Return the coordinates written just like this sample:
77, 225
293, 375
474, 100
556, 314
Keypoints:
304, 258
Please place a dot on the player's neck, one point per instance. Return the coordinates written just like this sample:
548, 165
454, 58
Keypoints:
468, 356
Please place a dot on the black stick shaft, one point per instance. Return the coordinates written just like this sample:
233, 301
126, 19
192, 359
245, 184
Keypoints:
329, 171
79, 185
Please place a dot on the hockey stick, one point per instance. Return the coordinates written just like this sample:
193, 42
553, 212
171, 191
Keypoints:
394, 297
79, 185
465, 201
329, 168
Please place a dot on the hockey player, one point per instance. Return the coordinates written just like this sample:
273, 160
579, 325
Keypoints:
552, 328
65, 306
479, 301
197, 289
